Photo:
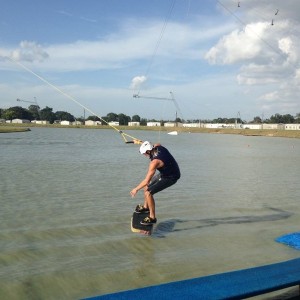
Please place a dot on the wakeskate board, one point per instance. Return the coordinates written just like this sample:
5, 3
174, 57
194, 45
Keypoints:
136, 225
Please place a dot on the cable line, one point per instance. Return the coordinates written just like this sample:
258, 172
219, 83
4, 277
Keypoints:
172, 99
123, 134
159, 39
253, 31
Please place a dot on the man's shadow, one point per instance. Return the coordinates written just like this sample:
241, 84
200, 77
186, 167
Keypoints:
169, 226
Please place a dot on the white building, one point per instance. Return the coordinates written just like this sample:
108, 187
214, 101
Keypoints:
113, 123
77, 123
65, 122
170, 124
92, 123
292, 127
173, 124
134, 124
40, 122
219, 125
252, 126
153, 124
192, 125
272, 126
20, 121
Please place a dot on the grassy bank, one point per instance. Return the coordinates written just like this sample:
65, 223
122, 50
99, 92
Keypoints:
8, 129
251, 132
246, 132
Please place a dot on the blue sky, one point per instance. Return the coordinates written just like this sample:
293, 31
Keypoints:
218, 58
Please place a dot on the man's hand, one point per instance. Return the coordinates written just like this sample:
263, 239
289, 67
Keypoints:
133, 192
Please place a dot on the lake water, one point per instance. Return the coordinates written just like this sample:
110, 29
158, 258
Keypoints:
65, 210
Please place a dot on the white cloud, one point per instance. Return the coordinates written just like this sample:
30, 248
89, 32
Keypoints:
241, 45
257, 74
290, 47
270, 97
30, 52
297, 77
135, 41
252, 55
136, 82
285, 45
267, 56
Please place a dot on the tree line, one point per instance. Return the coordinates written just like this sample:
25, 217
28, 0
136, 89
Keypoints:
33, 112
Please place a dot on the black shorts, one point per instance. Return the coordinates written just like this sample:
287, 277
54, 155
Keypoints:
159, 183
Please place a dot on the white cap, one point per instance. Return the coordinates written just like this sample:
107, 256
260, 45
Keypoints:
145, 147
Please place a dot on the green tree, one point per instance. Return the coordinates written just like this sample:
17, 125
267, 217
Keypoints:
35, 111
112, 117
143, 122
105, 120
17, 112
93, 118
219, 120
288, 119
256, 120
136, 118
282, 119
123, 119
81, 119
47, 114
8, 114
64, 116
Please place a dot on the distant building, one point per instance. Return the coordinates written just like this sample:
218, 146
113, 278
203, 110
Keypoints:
65, 122
219, 125
272, 126
113, 123
92, 123
252, 126
292, 126
77, 123
153, 124
134, 123
173, 124
2, 120
40, 122
20, 121
170, 124
192, 125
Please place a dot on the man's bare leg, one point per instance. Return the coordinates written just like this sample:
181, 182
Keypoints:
149, 203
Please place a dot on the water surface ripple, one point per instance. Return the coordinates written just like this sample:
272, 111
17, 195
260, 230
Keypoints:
66, 208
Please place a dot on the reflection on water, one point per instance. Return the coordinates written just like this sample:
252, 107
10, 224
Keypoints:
65, 210
179, 225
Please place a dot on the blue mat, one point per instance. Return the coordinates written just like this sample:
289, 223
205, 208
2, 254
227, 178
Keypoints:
239, 284
291, 239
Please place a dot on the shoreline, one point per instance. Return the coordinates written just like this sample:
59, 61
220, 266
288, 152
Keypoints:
10, 128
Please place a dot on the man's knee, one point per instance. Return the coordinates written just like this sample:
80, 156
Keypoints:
147, 192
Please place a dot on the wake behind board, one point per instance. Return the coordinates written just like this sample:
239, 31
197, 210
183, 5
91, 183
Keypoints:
136, 225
